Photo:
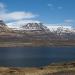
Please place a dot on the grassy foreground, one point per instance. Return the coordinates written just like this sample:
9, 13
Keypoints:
51, 69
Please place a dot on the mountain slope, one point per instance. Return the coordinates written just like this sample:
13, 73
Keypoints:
4, 27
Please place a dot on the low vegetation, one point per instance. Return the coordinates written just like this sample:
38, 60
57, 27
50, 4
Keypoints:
52, 69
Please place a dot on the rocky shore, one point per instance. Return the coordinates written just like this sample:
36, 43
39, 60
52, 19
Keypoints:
52, 69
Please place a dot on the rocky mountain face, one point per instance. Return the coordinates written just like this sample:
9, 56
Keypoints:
4, 27
36, 31
35, 34
2, 23
35, 27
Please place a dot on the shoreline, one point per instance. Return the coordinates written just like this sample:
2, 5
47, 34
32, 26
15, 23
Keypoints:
45, 70
36, 44
31, 45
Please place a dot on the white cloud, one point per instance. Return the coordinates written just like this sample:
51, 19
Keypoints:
16, 18
19, 23
69, 20
15, 15
50, 5
60, 7
2, 6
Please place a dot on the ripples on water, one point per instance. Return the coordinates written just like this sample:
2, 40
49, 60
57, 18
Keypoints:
35, 56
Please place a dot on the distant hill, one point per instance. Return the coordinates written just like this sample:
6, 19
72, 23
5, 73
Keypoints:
35, 27
37, 31
35, 34
4, 27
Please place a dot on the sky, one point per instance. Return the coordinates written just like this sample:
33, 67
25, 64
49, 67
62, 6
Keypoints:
45, 11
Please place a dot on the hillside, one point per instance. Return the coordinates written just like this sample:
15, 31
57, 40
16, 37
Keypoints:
34, 34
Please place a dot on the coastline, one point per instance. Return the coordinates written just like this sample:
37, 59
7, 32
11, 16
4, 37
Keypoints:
51, 69
10, 44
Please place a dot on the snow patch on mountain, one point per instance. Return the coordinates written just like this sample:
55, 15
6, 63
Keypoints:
17, 25
36, 25
63, 27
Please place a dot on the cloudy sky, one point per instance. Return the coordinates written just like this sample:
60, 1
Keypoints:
46, 11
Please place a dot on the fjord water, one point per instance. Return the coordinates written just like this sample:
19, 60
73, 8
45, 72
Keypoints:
35, 56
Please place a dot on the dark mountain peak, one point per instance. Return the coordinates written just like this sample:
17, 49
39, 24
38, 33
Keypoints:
4, 27
2, 23
34, 26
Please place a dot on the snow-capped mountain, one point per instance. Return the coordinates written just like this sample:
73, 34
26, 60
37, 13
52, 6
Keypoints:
18, 24
54, 28
39, 30
3, 27
35, 27
65, 28
2, 23
32, 26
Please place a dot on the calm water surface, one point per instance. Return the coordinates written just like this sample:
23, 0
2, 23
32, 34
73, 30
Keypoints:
37, 56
